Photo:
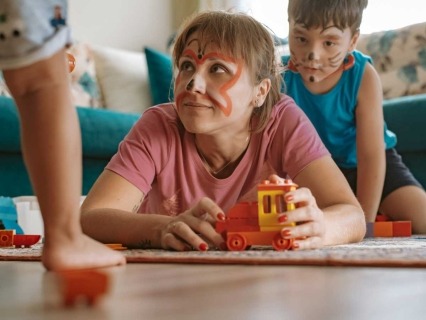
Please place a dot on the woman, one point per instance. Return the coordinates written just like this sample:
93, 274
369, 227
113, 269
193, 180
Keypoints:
184, 164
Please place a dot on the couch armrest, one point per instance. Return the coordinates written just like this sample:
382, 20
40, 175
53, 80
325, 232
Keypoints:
405, 116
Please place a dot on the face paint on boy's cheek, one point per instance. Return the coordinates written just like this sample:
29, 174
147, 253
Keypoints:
336, 60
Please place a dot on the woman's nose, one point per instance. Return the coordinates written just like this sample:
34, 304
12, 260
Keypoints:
196, 84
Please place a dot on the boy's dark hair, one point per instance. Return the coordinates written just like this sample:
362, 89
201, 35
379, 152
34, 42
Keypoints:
319, 13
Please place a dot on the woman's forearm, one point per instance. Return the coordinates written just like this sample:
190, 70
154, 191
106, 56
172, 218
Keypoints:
133, 230
345, 223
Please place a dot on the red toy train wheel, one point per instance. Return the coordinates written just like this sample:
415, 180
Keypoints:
281, 244
236, 242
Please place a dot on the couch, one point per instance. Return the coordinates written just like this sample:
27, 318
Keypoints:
112, 88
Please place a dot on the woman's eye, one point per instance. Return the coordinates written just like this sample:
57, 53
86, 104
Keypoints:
217, 68
186, 66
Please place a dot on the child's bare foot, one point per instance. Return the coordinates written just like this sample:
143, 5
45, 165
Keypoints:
80, 253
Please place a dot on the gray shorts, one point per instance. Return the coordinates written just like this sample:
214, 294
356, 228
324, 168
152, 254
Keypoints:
31, 30
397, 174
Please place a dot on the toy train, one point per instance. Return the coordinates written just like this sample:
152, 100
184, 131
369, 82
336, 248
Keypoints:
256, 223
8, 238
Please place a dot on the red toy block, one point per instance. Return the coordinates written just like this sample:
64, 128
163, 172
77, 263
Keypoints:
381, 217
383, 229
6, 238
88, 285
402, 228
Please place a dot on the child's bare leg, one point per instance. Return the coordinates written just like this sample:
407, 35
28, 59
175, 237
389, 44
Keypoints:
51, 145
407, 203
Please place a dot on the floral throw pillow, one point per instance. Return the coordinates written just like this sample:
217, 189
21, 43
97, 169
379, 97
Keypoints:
399, 56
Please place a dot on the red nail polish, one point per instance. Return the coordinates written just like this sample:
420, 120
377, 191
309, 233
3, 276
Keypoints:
286, 233
203, 247
221, 216
282, 218
289, 198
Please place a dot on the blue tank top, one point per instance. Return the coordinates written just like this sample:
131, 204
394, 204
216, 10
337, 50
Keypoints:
333, 113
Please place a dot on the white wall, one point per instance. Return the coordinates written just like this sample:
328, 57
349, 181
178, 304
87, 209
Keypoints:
126, 24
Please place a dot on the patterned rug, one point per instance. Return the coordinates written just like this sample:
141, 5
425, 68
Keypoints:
378, 252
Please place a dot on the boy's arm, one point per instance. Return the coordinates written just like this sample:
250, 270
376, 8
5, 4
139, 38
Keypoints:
370, 143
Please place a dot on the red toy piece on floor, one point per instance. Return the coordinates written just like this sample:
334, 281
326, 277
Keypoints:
83, 285
256, 223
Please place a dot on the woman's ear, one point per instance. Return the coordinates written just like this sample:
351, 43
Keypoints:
262, 91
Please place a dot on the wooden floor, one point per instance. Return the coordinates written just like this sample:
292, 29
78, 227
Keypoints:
220, 292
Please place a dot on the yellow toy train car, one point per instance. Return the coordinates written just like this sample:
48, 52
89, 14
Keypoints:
256, 223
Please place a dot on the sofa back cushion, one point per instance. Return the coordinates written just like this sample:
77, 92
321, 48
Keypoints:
399, 56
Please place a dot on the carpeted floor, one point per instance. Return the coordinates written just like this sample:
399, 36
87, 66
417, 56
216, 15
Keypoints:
380, 252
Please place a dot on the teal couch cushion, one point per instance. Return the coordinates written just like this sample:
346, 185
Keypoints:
406, 117
101, 132
160, 74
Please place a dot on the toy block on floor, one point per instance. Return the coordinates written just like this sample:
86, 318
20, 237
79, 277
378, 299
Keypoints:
388, 229
87, 286
402, 229
370, 230
383, 229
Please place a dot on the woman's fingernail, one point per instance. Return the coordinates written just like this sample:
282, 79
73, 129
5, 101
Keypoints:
289, 198
295, 245
221, 216
203, 247
286, 233
282, 218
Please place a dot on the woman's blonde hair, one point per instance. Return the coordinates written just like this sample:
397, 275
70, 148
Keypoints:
242, 37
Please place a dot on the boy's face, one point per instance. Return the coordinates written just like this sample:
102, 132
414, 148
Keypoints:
320, 52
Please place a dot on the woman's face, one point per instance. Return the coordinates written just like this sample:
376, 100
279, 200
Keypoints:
212, 89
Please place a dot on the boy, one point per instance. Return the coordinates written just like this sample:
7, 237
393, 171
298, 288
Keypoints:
33, 61
340, 91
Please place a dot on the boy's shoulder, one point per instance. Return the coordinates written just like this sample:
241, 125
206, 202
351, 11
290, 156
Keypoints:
359, 56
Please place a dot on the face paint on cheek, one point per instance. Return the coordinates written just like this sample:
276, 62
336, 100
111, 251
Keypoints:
226, 107
335, 61
223, 101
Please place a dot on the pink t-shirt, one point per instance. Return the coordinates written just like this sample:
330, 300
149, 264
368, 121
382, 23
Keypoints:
159, 157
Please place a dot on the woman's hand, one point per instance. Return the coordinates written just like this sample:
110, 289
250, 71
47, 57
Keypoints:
309, 231
194, 228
